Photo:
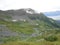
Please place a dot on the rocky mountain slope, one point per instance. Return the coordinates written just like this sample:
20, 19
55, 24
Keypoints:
26, 25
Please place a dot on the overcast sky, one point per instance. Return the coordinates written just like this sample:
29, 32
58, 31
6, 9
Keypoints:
38, 5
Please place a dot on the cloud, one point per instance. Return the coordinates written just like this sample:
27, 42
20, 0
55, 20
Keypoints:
39, 5
57, 17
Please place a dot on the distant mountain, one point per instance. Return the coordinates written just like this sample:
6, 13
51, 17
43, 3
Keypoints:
58, 21
53, 13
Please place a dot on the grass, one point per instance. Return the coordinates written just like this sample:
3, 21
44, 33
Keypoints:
31, 43
27, 28
20, 27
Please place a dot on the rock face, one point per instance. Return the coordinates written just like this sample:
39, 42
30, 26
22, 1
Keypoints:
4, 31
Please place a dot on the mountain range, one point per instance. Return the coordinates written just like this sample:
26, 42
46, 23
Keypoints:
26, 25
52, 13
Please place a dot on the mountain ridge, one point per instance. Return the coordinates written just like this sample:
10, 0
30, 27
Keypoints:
22, 14
52, 13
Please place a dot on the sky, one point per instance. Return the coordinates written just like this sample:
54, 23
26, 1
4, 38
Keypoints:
38, 5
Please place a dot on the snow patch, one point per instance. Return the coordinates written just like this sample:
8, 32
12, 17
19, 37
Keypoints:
14, 20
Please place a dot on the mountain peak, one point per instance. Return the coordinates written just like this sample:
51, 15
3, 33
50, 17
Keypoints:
29, 10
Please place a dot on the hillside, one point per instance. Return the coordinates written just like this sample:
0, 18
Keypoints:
26, 25
25, 14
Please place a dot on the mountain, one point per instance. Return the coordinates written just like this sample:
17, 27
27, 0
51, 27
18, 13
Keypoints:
26, 14
53, 13
58, 20
26, 25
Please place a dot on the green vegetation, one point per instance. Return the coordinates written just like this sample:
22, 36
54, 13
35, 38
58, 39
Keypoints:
28, 29
36, 30
51, 38
31, 43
